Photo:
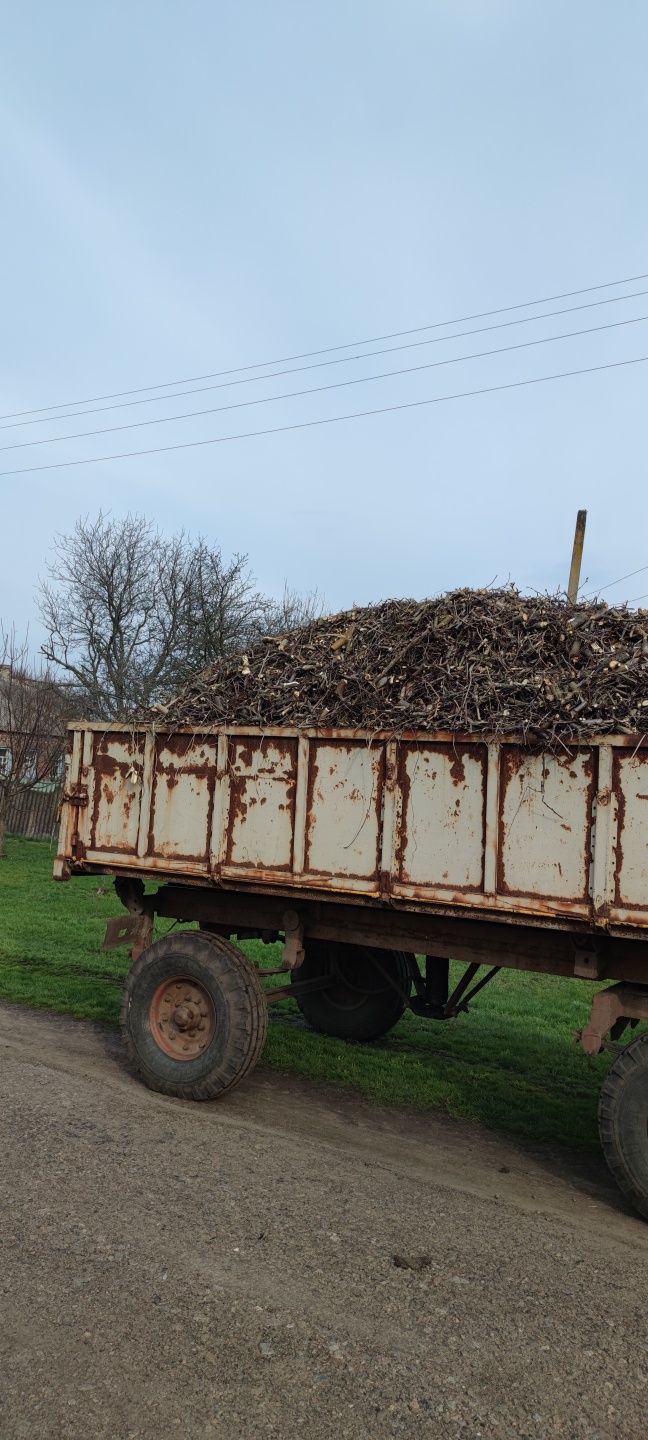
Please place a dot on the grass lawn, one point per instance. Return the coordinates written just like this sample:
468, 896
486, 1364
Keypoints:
511, 1063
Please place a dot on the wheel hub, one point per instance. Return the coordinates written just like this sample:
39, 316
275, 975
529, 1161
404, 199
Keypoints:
182, 1018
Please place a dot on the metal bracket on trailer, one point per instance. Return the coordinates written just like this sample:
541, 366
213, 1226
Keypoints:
134, 931
293, 950
432, 999
612, 1010
78, 797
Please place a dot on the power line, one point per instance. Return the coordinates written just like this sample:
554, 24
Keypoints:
328, 420
322, 364
320, 389
329, 349
612, 583
638, 597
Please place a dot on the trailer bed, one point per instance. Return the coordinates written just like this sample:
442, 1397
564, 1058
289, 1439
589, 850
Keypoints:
433, 821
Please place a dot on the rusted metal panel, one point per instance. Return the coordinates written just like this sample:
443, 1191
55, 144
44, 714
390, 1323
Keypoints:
148, 780
389, 819
630, 797
442, 816
220, 812
611, 1011
546, 823
449, 824
441, 737
182, 799
117, 787
491, 823
344, 810
301, 803
263, 782
69, 813
604, 820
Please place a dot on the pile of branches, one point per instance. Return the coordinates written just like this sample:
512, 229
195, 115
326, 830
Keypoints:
490, 662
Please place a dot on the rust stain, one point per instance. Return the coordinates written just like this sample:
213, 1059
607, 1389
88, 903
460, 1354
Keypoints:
458, 770
112, 793
619, 796
271, 760
455, 766
620, 763
194, 766
514, 759
316, 800
311, 793
385, 884
405, 787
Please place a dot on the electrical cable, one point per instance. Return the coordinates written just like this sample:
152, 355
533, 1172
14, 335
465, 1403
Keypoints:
319, 389
328, 350
612, 583
322, 364
330, 419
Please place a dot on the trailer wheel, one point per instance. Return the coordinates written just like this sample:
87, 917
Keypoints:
623, 1122
194, 1015
367, 994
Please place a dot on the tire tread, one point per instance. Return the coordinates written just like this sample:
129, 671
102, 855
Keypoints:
251, 1029
631, 1060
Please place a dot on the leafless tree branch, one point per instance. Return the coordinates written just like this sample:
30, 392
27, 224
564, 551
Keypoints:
32, 722
130, 614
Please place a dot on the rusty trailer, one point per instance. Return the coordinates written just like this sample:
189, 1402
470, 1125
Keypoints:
361, 852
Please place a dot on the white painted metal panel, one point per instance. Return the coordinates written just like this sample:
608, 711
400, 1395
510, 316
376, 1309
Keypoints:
343, 830
117, 791
545, 824
442, 816
631, 861
182, 799
507, 830
262, 782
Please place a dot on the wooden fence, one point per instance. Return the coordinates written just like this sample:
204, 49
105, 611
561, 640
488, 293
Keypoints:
33, 814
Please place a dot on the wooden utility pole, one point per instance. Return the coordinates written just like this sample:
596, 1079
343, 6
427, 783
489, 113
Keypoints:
577, 557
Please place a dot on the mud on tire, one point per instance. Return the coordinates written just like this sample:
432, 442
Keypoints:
623, 1122
194, 1015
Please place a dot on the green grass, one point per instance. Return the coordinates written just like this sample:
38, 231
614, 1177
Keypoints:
512, 1063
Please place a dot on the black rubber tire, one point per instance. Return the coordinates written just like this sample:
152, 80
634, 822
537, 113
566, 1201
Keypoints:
370, 1006
239, 1004
623, 1122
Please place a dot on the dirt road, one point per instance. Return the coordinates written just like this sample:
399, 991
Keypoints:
229, 1269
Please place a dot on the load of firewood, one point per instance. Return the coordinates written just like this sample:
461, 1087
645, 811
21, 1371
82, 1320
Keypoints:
490, 662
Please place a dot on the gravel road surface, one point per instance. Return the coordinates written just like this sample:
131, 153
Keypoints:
293, 1262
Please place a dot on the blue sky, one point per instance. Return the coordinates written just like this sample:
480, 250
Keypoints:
189, 188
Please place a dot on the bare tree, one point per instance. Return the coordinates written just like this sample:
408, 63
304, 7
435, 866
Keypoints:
130, 614
221, 609
112, 609
290, 612
32, 723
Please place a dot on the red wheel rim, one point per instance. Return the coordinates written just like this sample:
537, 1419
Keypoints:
182, 1018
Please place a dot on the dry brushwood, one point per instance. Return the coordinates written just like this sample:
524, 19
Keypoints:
488, 662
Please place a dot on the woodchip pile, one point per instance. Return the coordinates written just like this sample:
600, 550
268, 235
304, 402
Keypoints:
487, 662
